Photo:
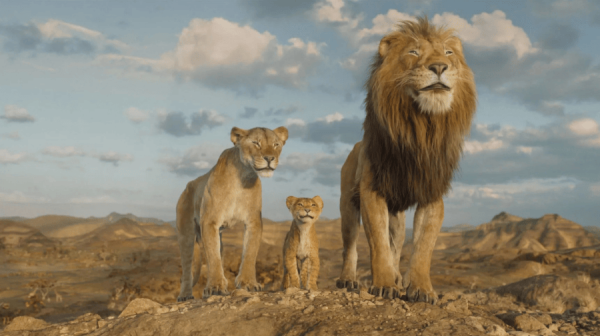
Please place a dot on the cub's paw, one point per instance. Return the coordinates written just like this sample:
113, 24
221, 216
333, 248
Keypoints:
416, 293
385, 292
348, 284
250, 285
185, 298
215, 287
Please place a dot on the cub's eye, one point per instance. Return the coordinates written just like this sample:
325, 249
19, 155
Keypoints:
314, 204
413, 52
449, 52
300, 204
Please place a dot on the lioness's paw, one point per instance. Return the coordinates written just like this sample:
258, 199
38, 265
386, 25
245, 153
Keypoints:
416, 294
208, 292
185, 298
348, 284
385, 292
250, 284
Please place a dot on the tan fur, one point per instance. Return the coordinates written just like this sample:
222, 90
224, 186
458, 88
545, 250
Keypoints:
301, 246
420, 102
228, 194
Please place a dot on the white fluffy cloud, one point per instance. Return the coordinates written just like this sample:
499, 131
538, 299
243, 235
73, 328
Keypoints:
136, 115
336, 12
195, 161
585, 126
20, 197
222, 54
58, 37
14, 113
7, 157
175, 123
114, 157
473, 147
62, 152
488, 30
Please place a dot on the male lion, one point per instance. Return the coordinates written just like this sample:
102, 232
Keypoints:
420, 101
228, 194
301, 246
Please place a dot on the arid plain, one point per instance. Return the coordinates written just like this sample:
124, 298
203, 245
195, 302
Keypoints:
119, 274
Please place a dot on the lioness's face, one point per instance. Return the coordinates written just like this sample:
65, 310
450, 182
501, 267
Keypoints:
428, 69
260, 147
305, 210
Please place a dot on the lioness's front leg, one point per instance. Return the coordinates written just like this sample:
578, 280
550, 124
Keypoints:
375, 220
428, 221
217, 283
246, 278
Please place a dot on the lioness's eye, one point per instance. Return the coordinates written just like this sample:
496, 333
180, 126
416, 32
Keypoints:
414, 52
449, 52
276, 145
256, 143
314, 205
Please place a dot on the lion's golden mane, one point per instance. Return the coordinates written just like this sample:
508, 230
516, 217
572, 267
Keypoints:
414, 154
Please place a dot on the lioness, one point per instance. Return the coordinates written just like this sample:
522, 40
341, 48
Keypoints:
228, 194
420, 101
301, 246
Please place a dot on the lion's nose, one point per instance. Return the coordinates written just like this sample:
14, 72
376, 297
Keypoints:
269, 158
438, 68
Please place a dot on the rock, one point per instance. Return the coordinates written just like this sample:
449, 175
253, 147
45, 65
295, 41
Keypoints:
291, 290
139, 306
240, 293
474, 322
365, 296
496, 330
26, 323
544, 318
253, 299
459, 306
523, 322
82, 325
309, 309
450, 296
213, 298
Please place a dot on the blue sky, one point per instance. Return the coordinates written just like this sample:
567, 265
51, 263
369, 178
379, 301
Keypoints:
115, 105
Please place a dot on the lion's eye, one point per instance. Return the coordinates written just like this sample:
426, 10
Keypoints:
449, 52
413, 52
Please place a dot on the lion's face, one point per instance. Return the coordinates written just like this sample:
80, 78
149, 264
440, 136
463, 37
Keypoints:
305, 210
260, 147
428, 69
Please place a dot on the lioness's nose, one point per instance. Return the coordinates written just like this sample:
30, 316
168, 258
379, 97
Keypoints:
269, 158
438, 68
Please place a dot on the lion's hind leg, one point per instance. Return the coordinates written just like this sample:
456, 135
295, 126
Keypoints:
186, 236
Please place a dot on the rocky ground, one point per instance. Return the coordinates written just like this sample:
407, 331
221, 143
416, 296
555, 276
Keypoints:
299, 312
538, 276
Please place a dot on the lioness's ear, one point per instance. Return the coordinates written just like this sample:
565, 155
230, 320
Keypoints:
290, 201
282, 133
319, 201
237, 134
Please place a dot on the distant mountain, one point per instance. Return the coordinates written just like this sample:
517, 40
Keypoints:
114, 216
506, 231
14, 218
126, 228
457, 228
595, 230
18, 234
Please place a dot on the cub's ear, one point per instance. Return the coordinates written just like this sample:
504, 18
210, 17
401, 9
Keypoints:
319, 201
290, 201
282, 133
237, 134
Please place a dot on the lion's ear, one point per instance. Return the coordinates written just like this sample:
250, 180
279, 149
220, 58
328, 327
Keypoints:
384, 44
282, 133
290, 201
319, 201
237, 134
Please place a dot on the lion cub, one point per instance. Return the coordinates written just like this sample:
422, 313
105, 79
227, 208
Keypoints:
301, 246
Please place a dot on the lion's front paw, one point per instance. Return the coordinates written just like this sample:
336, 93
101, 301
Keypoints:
348, 284
250, 284
185, 298
216, 287
420, 290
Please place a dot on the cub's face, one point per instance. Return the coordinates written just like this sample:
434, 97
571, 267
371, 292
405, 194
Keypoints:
305, 210
260, 147
430, 70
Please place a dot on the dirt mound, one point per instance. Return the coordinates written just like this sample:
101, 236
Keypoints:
505, 231
17, 234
